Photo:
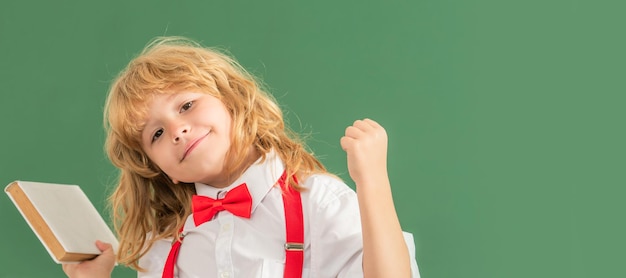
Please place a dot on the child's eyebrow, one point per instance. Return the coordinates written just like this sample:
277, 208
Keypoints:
145, 124
142, 127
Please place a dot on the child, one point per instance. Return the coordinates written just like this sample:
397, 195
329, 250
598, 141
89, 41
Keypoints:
213, 184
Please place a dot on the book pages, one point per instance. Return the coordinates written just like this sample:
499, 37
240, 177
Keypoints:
70, 215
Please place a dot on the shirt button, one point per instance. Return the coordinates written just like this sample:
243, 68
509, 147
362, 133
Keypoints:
224, 275
226, 227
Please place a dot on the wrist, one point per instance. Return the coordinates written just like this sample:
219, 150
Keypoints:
374, 180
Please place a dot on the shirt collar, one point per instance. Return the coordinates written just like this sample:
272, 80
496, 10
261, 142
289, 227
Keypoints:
260, 177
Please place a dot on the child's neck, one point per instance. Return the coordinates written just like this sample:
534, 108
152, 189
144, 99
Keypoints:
252, 156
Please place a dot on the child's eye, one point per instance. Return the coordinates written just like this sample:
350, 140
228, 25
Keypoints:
186, 106
157, 134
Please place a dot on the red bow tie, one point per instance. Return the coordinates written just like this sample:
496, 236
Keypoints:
238, 201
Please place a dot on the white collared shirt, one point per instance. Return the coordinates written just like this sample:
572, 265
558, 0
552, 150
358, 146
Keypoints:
230, 246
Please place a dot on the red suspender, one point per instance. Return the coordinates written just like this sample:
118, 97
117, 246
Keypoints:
168, 269
294, 222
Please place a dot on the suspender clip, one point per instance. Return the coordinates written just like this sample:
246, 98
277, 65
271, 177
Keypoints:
180, 238
293, 246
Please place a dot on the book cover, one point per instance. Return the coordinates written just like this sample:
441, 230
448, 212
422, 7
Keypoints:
63, 218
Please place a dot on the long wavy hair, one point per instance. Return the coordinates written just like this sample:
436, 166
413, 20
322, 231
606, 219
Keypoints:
146, 205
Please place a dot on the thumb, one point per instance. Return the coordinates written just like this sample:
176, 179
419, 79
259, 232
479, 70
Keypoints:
103, 246
108, 254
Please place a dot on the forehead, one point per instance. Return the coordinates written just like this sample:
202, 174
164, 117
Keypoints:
153, 106
156, 101
158, 104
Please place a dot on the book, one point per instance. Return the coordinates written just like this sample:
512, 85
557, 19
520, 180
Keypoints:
63, 218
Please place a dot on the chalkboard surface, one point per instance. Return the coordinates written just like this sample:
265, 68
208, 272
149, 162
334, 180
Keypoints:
505, 118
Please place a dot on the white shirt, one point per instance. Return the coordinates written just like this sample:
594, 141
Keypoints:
230, 246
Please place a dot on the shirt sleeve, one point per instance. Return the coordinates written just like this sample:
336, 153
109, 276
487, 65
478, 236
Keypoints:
335, 224
336, 233
408, 239
154, 260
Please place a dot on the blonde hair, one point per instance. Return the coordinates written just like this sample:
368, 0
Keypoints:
147, 206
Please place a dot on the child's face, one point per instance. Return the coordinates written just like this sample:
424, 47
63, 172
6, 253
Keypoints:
187, 135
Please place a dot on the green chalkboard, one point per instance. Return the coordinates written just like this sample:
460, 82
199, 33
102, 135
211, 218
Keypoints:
505, 118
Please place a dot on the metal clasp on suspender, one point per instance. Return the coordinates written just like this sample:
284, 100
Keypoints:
180, 238
294, 224
293, 246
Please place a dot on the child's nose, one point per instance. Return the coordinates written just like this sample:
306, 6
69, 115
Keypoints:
180, 132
